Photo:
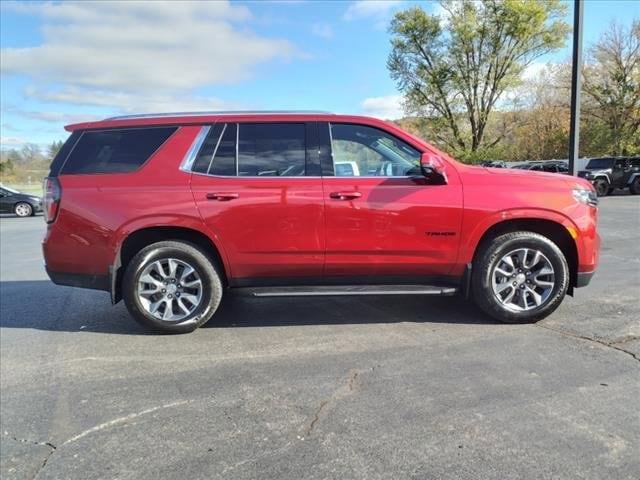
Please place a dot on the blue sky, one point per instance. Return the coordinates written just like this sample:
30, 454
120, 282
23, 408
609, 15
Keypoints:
64, 62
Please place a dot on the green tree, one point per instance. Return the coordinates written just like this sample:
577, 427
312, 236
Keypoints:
612, 88
54, 148
455, 67
6, 167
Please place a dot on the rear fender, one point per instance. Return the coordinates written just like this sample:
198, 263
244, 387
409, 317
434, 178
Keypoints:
167, 221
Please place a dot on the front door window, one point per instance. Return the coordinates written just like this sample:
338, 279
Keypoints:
362, 151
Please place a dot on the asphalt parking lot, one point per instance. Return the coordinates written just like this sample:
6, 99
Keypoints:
358, 388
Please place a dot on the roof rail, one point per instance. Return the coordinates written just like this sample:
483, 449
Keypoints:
222, 112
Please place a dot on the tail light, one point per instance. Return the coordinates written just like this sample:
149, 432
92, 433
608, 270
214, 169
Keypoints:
52, 193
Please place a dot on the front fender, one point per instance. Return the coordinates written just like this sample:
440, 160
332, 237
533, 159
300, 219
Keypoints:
476, 231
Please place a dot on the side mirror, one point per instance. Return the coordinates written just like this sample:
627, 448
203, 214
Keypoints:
432, 167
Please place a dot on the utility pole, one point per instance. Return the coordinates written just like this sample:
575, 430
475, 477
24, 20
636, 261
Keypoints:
576, 86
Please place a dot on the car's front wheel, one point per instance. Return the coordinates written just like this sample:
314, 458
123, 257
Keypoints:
23, 209
519, 277
602, 187
172, 287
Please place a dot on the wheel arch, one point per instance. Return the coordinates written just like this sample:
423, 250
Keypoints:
602, 176
632, 177
138, 239
552, 229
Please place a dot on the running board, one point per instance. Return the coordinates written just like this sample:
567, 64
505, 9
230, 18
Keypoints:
317, 291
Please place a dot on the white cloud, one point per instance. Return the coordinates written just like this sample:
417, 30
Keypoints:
370, 9
386, 108
323, 30
49, 116
11, 142
143, 46
130, 102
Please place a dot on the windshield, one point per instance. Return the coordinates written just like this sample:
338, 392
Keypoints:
596, 163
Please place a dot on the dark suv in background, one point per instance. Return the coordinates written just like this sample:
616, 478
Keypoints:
609, 173
550, 166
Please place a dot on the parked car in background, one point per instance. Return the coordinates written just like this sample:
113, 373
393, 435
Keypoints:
608, 173
169, 211
22, 204
494, 164
550, 166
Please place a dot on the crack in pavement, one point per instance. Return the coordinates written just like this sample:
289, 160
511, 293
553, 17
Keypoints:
120, 420
613, 345
346, 389
97, 428
44, 462
51, 446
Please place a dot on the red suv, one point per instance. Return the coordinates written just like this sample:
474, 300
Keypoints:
168, 211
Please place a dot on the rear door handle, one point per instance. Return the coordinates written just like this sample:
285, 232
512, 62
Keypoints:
222, 197
345, 195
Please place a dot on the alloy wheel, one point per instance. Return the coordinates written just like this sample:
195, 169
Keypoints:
523, 279
169, 289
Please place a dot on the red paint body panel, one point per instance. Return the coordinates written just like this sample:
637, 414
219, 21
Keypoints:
273, 226
97, 212
270, 226
396, 227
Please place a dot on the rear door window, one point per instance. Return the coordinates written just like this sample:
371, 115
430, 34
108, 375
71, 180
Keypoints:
115, 150
271, 149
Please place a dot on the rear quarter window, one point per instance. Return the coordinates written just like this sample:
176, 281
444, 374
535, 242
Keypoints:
115, 150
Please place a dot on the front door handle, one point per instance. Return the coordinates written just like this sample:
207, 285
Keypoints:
345, 195
222, 197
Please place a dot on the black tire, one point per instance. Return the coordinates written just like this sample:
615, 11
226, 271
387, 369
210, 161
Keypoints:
634, 188
194, 257
23, 209
602, 187
488, 257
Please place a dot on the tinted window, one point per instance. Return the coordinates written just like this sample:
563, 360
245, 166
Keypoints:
365, 151
63, 153
271, 149
115, 151
597, 163
224, 158
205, 155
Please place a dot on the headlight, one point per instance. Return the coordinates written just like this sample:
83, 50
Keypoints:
588, 197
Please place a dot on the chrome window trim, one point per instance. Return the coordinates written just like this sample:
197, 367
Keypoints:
273, 177
189, 159
215, 150
262, 177
237, 146
192, 153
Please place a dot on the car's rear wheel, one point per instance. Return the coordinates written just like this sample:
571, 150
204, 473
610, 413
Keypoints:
172, 287
634, 188
519, 277
23, 209
602, 187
